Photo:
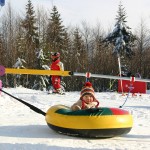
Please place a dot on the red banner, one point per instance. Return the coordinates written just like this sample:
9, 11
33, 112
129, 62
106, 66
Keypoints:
137, 87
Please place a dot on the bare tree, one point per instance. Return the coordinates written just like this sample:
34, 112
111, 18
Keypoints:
142, 46
8, 24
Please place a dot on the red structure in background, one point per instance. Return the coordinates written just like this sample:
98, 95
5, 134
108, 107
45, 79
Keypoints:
138, 87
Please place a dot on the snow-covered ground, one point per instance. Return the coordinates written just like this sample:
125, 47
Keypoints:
23, 129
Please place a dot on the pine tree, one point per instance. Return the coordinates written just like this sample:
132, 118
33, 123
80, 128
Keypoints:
66, 48
121, 37
19, 79
55, 31
78, 52
40, 82
30, 35
20, 41
78, 57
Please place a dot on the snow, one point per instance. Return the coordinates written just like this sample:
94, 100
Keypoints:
23, 129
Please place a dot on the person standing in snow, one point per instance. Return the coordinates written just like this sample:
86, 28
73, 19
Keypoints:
87, 98
56, 65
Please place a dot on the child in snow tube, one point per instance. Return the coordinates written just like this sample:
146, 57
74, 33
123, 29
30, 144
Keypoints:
87, 98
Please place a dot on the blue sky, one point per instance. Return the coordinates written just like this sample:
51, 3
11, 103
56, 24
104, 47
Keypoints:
92, 11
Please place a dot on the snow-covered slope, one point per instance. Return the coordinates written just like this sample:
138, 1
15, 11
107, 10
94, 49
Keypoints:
23, 129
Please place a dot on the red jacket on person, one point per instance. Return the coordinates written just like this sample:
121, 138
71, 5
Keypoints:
56, 65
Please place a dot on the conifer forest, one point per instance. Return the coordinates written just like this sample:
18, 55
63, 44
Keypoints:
30, 38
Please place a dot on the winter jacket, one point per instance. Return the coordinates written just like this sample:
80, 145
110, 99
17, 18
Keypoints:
79, 105
56, 65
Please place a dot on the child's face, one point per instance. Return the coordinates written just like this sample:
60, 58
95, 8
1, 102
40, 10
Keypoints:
53, 57
88, 98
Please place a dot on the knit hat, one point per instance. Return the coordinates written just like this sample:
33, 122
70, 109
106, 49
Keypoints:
87, 89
